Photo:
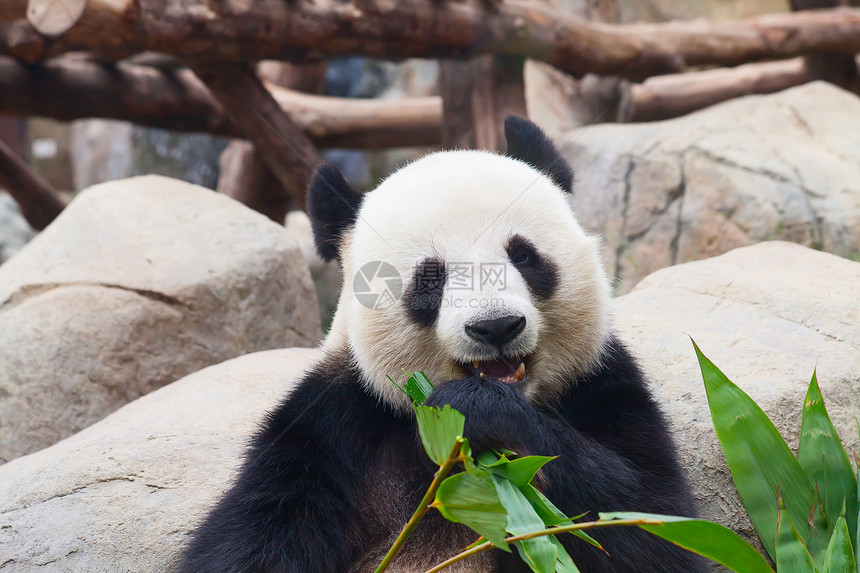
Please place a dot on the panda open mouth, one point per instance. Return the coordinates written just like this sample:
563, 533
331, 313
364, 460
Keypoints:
508, 370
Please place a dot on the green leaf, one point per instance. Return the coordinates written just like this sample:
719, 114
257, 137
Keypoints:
539, 553
820, 530
471, 499
791, 553
552, 516
439, 429
563, 563
520, 471
823, 458
548, 512
418, 387
840, 554
706, 538
857, 539
757, 456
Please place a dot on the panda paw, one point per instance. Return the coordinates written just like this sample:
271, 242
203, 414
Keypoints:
497, 414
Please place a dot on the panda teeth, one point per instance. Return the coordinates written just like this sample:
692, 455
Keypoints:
521, 372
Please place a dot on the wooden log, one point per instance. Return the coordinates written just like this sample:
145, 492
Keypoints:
664, 97
284, 147
178, 100
38, 201
477, 96
251, 30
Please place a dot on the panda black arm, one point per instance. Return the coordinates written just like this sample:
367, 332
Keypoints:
292, 507
615, 454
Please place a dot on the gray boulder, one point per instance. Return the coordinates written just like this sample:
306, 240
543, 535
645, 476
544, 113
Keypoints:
767, 316
779, 166
138, 283
124, 494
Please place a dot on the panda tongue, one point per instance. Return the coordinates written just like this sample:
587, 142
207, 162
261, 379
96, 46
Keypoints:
497, 368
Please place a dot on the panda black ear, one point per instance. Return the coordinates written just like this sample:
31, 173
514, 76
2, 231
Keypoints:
528, 143
332, 208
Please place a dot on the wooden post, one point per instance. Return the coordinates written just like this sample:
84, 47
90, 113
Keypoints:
39, 203
839, 69
283, 146
243, 173
477, 96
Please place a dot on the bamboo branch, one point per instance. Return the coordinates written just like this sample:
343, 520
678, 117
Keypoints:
178, 100
550, 531
38, 201
250, 30
424, 506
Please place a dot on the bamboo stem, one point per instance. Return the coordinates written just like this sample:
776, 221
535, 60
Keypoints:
551, 531
424, 506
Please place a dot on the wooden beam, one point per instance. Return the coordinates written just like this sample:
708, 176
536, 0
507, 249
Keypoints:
284, 147
664, 97
38, 201
178, 100
252, 30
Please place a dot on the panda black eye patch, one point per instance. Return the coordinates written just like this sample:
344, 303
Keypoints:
424, 297
540, 274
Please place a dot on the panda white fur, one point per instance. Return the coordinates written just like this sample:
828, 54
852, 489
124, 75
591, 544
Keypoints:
337, 469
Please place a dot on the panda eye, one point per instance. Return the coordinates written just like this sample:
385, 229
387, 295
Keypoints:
521, 257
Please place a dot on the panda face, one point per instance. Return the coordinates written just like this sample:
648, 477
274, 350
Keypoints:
496, 276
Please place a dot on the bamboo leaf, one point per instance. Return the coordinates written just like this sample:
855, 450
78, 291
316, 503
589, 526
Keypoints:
439, 428
563, 563
417, 387
552, 516
823, 458
791, 553
709, 539
757, 456
520, 471
840, 555
471, 499
820, 529
539, 553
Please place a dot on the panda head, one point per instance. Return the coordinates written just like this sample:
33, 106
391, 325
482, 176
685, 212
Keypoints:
462, 263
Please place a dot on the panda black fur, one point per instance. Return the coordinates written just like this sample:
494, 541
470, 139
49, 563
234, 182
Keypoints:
338, 467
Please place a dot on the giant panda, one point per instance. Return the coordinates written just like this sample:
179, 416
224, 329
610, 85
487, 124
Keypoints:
529, 358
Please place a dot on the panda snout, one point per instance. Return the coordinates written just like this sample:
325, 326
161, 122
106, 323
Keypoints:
497, 331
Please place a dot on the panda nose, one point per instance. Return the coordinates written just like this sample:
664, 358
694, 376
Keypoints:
497, 331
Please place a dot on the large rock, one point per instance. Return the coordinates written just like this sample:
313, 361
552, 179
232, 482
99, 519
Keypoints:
767, 316
779, 166
136, 284
124, 494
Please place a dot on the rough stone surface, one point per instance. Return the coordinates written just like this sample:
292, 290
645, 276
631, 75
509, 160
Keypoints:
138, 283
14, 229
767, 316
124, 494
782, 166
